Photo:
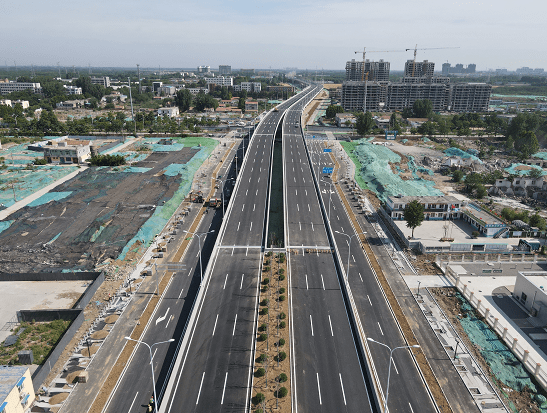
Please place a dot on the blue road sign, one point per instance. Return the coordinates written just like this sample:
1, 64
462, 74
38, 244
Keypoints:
327, 150
327, 170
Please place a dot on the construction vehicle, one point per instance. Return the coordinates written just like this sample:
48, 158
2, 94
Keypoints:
196, 196
214, 203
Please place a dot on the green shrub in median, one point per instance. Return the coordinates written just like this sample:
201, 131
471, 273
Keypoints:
281, 342
266, 281
264, 311
281, 298
282, 316
263, 327
262, 358
263, 337
282, 290
282, 378
281, 356
281, 271
281, 277
259, 398
282, 324
264, 302
260, 372
282, 392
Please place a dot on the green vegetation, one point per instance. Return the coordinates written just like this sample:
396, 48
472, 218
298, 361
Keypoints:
259, 398
107, 160
332, 110
264, 302
281, 356
282, 378
281, 298
39, 161
41, 338
260, 372
262, 337
281, 342
282, 324
414, 215
535, 220
263, 327
282, 316
264, 311
282, 392
364, 123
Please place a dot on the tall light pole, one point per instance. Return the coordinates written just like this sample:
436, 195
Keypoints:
151, 365
223, 181
349, 248
199, 235
390, 360
330, 192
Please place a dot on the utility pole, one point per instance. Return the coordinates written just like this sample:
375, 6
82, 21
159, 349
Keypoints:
139, 76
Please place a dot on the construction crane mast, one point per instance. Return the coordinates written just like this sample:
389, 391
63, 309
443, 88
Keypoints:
365, 76
427, 48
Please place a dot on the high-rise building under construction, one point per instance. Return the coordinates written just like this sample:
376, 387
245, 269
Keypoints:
377, 71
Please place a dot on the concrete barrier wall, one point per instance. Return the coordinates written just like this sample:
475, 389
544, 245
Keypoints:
512, 342
49, 276
29, 316
42, 372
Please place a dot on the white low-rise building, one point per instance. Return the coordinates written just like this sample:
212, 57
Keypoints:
66, 154
345, 120
24, 103
171, 112
9, 87
220, 80
73, 90
5, 102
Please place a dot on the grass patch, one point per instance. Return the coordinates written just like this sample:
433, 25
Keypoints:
41, 338
349, 147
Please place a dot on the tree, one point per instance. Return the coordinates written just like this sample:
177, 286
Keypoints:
535, 173
481, 191
241, 104
332, 110
527, 144
457, 175
537, 221
422, 108
414, 215
203, 101
427, 128
394, 123
183, 99
364, 123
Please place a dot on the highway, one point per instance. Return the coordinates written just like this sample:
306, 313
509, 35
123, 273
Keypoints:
213, 370
408, 391
326, 369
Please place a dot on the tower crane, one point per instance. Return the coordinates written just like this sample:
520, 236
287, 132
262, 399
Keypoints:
427, 48
365, 77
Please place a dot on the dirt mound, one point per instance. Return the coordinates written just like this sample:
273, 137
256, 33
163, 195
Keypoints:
58, 398
99, 335
111, 319
92, 350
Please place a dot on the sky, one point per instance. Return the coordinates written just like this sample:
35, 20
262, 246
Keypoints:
305, 34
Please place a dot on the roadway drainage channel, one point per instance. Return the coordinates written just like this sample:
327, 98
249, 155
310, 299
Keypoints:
276, 232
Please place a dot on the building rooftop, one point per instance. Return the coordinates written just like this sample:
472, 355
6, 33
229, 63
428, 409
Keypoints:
9, 377
426, 199
482, 215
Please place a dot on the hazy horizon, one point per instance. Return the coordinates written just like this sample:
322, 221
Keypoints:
264, 33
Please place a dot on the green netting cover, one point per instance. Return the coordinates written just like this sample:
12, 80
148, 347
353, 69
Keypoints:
514, 171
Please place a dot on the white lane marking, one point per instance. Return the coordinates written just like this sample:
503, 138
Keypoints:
305, 190
294, 178
338, 217
258, 179
341, 229
296, 192
309, 208
394, 365
168, 321
380, 327
347, 242
311, 324
215, 326
293, 168
241, 285
411, 409
238, 225
233, 251
333, 207
160, 319
246, 192
224, 389
254, 206
130, 407
330, 323
180, 294
300, 225
250, 179
312, 227
353, 257
297, 207
201, 384
246, 251
256, 194
235, 322
226, 279
322, 282
243, 207
318, 388
342, 385
154, 355
307, 288
251, 228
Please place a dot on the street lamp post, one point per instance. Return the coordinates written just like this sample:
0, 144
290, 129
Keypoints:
349, 248
199, 235
223, 181
390, 360
151, 365
419, 282
330, 192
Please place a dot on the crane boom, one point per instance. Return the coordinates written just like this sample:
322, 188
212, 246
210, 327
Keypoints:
426, 48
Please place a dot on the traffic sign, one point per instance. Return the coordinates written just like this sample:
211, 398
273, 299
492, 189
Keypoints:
327, 170
327, 150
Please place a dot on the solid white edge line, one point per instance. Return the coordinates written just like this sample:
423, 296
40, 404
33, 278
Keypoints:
234, 330
330, 323
318, 389
322, 281
307, 288
241, 285
311, 324
226, 279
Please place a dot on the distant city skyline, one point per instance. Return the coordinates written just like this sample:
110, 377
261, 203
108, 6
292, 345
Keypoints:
264, 33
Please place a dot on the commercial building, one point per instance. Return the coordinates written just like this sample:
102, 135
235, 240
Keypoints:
16, 390
9, 87
167, 90
377, 71
458, 69
281, 88
171, 112
70, 104
204, 69
249, 87
224, 70
5, 102
103, 81
469, 97
197, 90
220, 81
530, 292
66, 154
73, 90
345, 120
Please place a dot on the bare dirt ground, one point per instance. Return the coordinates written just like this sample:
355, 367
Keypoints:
105, 204
451, 305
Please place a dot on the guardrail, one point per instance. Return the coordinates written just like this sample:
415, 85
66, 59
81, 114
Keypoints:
521, 352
